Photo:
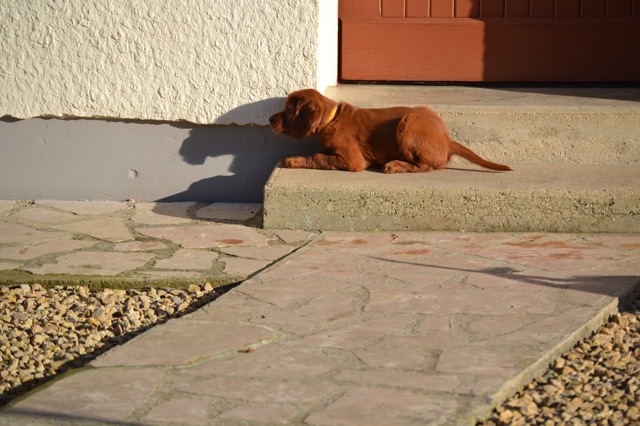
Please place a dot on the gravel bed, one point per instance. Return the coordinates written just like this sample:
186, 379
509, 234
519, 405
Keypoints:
46, 331
595, 383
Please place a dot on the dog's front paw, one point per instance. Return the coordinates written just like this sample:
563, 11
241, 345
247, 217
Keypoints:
394, 167
294, 162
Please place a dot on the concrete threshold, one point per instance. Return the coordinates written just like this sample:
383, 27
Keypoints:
534, 197
575, 152
518, 97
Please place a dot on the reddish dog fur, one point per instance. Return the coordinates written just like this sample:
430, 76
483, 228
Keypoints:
398, 140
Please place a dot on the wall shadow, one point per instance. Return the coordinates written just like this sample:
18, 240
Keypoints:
254, 152
253, 113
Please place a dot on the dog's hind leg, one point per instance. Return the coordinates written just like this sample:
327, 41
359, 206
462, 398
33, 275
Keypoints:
422, 142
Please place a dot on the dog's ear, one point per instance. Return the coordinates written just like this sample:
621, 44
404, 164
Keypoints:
307, 119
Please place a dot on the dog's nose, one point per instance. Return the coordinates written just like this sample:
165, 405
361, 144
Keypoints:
272, 119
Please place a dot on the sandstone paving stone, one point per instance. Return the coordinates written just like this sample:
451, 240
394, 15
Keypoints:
139, 246
544, 330
490, 360
380, 406
229, 211
412, 250
313, 265
444, 301
249, 389
86, 207
6, 205
521, 280
445, 238
563, 261
439, 329
498, 325
293, 236
359, 240
412, 267
109, 229
396, 358
261, 413
552, 252
621, 274
321, 311
625, 242
91, 395
410, 341
180, 410
260, 253
14, 233
240, 266
406, 273
186, 259
286, 291
93, 263
7, 266
207, 236
487, 387
268, 362
233, 306
25, 252
355, 335
162, 213
43, 215
404, 379
184, 341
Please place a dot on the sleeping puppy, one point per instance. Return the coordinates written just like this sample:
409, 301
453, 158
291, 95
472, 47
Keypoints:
397, 140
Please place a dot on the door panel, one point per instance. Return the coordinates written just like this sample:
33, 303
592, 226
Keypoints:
490, 40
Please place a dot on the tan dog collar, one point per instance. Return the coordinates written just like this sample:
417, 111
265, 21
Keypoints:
331, 116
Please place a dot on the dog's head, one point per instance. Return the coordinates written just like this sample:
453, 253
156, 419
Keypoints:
305, 113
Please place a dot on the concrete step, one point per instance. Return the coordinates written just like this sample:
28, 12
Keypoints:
540, 198
575, 154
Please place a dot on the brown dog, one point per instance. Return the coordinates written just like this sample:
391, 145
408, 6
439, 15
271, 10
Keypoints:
398, 139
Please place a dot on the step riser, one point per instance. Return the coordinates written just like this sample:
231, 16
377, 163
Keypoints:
464, 211
530, 199
548, 136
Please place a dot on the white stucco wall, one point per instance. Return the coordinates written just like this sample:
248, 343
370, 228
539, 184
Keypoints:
202, 61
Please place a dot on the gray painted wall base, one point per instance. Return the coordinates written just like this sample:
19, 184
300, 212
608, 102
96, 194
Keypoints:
117, 160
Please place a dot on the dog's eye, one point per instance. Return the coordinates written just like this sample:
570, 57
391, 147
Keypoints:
289, 109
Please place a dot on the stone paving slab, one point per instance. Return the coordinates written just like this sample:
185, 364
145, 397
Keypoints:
374, 328
136, 243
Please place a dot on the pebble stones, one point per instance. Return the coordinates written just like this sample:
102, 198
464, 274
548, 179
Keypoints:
43, 332
597, 382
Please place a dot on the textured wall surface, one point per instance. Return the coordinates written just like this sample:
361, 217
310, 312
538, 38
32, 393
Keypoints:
203, 61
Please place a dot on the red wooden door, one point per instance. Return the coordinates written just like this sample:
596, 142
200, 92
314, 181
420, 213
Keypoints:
490, 40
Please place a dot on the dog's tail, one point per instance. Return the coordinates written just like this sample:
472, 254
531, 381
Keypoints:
466, 153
